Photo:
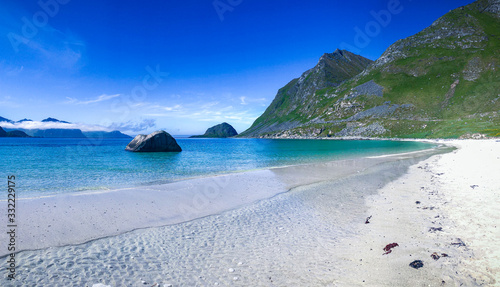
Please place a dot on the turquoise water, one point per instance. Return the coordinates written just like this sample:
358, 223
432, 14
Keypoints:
45, 166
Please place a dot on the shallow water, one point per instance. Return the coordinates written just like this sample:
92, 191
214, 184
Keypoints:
291, 239
47, 166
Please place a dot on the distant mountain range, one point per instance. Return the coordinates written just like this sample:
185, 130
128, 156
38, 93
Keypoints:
443, 82
55, 132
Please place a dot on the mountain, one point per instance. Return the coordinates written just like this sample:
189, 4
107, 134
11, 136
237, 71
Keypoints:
56, 133
12, 134
223, 130
442, 82
17, 134
53, 133
47, 120
50, 133
99, 134
2, 119
24, 120
295, 102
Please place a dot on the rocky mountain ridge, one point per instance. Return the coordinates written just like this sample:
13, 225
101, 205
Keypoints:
295, 102
442, 82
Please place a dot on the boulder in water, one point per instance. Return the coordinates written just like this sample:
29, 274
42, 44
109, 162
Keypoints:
159, 141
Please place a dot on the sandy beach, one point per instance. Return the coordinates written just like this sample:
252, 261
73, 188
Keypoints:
446, 205
74, 218
293, 226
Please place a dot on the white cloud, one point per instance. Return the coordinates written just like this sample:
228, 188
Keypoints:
208, 105
213, 111
242, 99
14, 71
6, 102
131, 126
174, 108
63, 50
101, 98
31, 125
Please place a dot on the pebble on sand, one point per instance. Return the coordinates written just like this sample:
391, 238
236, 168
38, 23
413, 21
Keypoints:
417, 264
388, 247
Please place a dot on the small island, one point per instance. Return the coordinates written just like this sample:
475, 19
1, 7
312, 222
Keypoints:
223, 130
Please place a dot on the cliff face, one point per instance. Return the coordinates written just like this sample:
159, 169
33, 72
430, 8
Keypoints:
441, 82
295, 102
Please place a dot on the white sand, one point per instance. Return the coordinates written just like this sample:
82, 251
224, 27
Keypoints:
442, 184
313, 235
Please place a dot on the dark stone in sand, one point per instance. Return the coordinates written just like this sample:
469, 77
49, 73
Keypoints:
368, 219
388, 248
459, 243
434, 229
417, 264
159, 141
436, 256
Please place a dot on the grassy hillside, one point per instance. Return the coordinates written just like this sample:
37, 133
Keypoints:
295, 102
442, 82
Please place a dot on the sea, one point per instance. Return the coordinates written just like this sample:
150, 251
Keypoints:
47, 166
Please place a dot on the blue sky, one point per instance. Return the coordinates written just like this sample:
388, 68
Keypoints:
182, 66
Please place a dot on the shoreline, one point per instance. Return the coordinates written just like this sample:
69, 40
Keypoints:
76, 218
73, 187
287, 239
443, 212
314, 233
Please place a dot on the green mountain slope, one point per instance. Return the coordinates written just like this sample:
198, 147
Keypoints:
442, 82
295, 102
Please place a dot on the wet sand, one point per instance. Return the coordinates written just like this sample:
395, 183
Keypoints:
75, 218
